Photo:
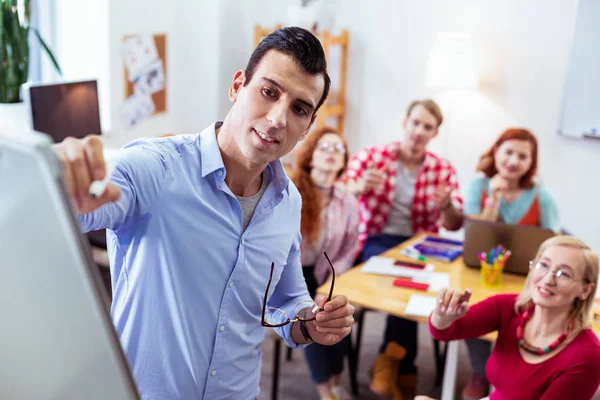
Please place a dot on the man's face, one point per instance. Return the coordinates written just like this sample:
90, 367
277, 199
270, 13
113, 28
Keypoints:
419, 128
275, 109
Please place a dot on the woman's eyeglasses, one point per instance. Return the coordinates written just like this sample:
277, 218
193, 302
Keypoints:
561, 276
305, 310
331, 147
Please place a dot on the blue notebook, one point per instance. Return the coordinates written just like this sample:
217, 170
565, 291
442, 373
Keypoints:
439, 249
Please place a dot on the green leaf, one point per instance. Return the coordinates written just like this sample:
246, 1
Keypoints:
27, 7
48, 51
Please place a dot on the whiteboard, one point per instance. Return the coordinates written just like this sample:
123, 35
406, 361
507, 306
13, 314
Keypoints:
580, 114
57, 341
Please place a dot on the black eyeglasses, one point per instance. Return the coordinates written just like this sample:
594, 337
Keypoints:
305, 310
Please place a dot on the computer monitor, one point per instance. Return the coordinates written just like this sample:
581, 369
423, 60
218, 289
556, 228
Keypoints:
56, 337
64, 109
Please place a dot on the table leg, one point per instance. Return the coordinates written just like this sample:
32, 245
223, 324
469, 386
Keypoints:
352, 366
449, 383
440, 358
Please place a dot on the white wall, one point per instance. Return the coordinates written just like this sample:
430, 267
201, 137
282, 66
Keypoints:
524, 49
80, 40
130, 17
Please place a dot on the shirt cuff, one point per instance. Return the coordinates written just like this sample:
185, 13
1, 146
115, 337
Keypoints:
286, 331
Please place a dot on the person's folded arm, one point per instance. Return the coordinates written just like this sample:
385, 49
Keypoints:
473, 207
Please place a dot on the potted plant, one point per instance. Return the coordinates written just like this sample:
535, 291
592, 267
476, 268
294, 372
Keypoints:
14, 59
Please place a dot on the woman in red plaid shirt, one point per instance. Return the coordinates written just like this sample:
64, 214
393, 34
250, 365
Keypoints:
403, 190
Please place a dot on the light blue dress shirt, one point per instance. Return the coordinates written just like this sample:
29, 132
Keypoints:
188, 283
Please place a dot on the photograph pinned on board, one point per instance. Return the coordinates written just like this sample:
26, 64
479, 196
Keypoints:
136, 108
139, 52
151, 79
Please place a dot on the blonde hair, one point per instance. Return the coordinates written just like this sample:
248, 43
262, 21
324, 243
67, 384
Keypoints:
431, 106
581, 310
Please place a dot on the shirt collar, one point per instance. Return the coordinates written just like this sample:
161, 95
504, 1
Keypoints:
209, 150
213, 161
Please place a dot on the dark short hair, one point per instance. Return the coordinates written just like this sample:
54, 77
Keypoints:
302, 46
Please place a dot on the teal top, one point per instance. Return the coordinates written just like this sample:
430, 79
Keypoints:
511, 213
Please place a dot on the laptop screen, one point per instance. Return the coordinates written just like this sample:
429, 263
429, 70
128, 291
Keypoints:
66, 109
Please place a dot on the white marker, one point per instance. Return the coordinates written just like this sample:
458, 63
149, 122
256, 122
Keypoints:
97, 188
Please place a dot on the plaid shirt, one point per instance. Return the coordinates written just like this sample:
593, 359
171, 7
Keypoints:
376, 204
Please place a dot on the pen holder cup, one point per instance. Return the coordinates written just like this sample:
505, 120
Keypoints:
491, 275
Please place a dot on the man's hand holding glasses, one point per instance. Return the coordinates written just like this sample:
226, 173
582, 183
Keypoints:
326, 323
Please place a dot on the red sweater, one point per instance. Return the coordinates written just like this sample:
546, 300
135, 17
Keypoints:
573, 373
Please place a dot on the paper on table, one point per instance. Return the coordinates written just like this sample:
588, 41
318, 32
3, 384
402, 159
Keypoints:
420, 305
436, 280
385, 266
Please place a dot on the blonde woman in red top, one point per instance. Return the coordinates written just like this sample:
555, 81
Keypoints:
506, 191
545, 347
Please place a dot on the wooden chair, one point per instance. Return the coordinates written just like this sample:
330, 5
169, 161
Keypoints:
351, 353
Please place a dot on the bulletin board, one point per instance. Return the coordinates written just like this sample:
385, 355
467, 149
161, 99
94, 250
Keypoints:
159, 98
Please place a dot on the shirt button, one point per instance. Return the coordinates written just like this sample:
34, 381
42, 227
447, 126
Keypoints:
213, 372
243, 241
222, 328
220, 174
230, 284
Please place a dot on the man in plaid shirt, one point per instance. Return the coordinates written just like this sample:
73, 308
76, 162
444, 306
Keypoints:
403, 190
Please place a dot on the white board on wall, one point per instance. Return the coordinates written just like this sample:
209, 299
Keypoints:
580, 114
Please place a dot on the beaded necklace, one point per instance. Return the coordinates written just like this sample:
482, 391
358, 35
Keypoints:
539, 350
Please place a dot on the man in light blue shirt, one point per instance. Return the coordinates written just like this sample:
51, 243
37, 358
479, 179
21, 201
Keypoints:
195, 222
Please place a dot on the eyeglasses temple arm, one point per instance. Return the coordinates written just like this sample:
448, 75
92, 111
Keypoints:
332, 277
267, 293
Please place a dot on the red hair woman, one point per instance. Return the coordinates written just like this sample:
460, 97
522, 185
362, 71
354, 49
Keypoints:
506, 191
329, 223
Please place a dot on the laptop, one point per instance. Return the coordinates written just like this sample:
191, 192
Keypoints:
522, 240
57, 340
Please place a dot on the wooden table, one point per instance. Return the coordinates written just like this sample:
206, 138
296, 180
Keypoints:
377, 292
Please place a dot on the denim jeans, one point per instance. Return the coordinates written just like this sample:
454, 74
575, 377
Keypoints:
323, 361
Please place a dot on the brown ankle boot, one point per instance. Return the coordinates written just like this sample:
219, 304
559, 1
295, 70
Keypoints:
385, 371
408, 385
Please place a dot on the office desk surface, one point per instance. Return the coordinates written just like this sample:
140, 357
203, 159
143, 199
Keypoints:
377, 292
